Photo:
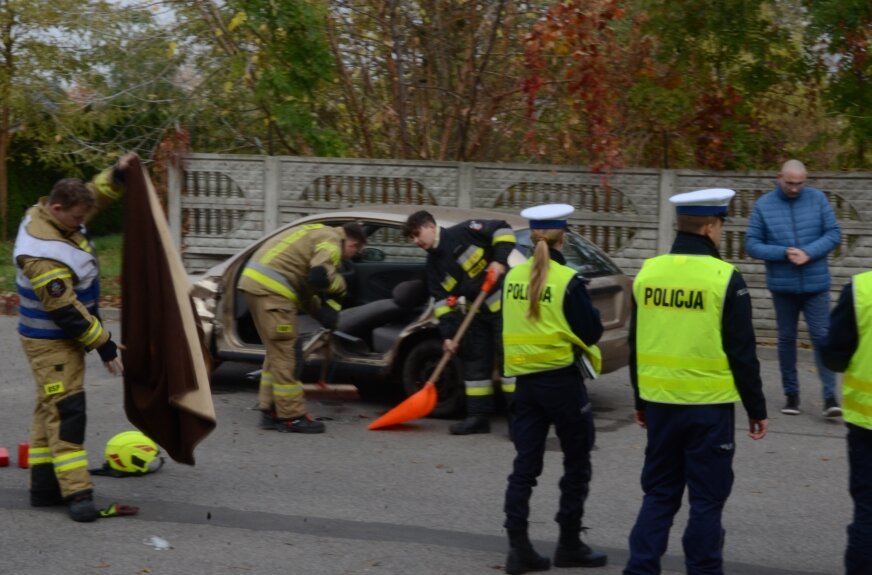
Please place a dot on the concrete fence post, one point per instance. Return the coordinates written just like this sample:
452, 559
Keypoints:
174, 199
666, 219
271, 184
465, 184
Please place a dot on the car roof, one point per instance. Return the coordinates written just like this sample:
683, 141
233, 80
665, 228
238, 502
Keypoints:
444, 216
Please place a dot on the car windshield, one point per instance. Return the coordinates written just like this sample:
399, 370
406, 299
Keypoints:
580, 254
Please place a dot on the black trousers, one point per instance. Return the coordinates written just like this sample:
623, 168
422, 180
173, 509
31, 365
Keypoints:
858, 556
688, 446
557, 397
480, 351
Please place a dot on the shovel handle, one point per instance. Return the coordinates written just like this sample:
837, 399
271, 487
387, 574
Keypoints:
486, 287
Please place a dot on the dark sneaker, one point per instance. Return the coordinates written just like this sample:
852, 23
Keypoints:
791, 407
831, 408
522, 561
302, 424
583, 556
81, 508
470, 425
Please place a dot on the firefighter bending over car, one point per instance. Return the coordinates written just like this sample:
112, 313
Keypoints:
58, 282
458, 259
296, 270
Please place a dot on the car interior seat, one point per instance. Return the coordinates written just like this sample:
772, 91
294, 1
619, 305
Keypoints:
404, 305
411, 296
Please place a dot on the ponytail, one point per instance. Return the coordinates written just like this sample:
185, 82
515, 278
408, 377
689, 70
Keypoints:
543, 239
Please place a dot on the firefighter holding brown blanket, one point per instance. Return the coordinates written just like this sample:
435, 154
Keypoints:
58, 283
295, 270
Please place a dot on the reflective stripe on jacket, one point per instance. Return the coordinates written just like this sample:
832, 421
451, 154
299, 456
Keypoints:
533, 346
679, 351
282, 264
857, 391
78, 259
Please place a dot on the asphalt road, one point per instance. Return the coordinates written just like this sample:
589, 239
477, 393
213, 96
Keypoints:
411, 501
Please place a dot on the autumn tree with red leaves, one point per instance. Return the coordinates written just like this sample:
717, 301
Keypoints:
573, 55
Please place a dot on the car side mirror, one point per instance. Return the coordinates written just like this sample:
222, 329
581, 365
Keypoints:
371, 255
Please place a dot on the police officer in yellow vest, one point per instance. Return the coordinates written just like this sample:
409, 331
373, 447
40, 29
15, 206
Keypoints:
58, 283
692, 355
284, 276
549, 330
849, 349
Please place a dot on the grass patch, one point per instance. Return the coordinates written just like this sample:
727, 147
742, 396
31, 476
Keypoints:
109, 250
7, 268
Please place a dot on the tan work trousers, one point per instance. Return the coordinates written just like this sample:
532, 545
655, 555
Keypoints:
276, 320
57, 432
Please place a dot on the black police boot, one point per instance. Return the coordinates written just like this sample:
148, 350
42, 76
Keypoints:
522, 557
302, 424
81, 507
572, 552
44, 488
470, 425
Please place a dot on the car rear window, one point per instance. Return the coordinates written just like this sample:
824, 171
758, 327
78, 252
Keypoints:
580, 254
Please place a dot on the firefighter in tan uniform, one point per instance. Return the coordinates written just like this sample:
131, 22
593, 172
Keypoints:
295, 270
58, 283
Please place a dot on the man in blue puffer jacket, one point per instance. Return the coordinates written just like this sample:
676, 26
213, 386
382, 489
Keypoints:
792, 229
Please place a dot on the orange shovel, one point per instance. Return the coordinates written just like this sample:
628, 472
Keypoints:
422, 402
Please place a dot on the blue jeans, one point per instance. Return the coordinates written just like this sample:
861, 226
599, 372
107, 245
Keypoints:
816, 309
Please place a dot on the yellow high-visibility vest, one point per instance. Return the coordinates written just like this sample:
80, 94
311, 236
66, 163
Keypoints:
857, 388
679, 346
532, 346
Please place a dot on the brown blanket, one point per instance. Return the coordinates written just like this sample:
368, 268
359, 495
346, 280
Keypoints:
166, 366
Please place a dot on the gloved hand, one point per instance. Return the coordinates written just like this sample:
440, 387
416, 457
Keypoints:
108, 351
318, 278
109, 354
328, 317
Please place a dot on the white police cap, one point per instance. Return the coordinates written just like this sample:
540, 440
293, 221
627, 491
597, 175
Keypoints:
710, 202
547, 216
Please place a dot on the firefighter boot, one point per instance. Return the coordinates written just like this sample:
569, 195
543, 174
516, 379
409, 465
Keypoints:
81, 507
301, 424
522, 557
268, 419
470, 425
572, 552
44, 488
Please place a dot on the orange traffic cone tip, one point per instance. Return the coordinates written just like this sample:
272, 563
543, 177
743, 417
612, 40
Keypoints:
417, 405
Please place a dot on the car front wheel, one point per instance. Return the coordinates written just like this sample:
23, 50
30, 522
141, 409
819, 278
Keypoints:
417, 369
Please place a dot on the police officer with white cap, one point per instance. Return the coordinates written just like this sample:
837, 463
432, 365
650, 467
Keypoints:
549, 329
692, 355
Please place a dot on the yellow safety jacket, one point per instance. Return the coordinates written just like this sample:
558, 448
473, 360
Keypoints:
679, 346
857, 391
57, 268
281, 265
533, 346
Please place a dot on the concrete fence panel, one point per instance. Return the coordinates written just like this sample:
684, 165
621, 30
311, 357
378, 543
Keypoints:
221, 203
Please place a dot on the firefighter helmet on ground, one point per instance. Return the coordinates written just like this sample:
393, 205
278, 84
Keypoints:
131, 452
